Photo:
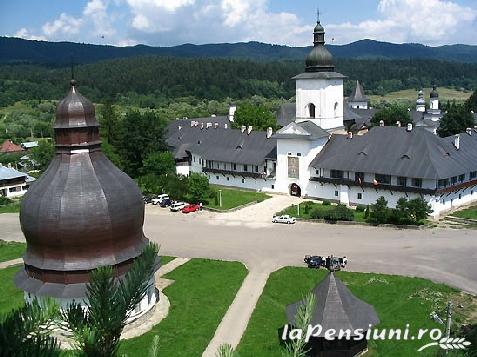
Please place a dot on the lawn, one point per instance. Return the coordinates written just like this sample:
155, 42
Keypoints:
11, 250
232, 198
307, 206
398, 300
11, 297
410, 95
11, 208
200, 296
468, 213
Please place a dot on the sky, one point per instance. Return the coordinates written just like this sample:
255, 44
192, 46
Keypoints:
284, 22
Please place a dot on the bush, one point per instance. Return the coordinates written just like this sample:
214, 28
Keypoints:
379, 212
339, 213
4, 201
360, 208
326, 203
316, 213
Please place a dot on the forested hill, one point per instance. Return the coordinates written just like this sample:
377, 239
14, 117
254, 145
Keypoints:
14, 50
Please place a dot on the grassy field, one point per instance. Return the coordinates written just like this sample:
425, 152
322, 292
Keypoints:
11, 297
397, 300
232, 198
410, 95
307, 206
468, 213
11, 208
11, 250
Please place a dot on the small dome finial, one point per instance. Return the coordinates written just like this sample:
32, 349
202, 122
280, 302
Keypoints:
318, 14
73, 82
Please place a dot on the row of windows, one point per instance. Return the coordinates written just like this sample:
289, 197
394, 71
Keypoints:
456, 179
381, 179
243, 180
224, 166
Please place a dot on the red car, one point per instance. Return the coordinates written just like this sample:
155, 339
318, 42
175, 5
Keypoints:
191, 208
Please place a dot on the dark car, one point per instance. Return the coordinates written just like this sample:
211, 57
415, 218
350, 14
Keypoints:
147, 199
166, 202
314, 261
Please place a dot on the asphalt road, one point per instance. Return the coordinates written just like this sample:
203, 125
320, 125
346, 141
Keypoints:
442, 255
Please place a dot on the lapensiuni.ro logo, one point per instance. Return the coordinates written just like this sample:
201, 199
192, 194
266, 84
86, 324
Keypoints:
371, 334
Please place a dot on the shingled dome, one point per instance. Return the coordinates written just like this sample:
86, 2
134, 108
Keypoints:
434, 93
82, 213
336, 308
319, 59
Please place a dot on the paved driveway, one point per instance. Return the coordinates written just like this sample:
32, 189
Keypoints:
444, 255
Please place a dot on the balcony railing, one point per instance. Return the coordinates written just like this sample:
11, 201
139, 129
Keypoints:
255, 175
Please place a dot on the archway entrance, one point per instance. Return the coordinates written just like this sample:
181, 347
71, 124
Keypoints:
295, 190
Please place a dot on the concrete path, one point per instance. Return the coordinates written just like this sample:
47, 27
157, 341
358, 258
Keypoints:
167, 268
9, 263
234, 322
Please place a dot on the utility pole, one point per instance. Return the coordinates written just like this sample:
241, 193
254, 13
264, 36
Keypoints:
298, 209
448, 321
220, 198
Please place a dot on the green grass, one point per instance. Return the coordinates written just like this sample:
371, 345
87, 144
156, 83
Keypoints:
11, 250
468, 213
166, 259
200, 296
11, 208
11, 297
232, 198
307, 206
410, 95
397, 300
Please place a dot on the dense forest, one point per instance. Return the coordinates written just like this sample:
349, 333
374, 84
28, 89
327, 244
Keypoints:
154, 81
15, 50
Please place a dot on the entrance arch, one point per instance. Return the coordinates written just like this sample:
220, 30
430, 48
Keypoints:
295, 190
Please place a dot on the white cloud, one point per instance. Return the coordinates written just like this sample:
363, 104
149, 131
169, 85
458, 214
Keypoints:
25, 34
96, 11
63, 25
432, 22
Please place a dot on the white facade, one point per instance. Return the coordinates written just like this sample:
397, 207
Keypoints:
13, 190
324, 97
434, 103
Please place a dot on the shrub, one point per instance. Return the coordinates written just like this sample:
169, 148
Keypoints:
326, 203
360, 208
339, 213
379, 212
316, 213
366, 212
4, 201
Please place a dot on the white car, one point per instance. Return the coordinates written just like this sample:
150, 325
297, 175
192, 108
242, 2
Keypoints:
159, 198
177, 206
284, 219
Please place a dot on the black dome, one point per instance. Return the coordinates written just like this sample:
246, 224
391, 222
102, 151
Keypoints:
319, 59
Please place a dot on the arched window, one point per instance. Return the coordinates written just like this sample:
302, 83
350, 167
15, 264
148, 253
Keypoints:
312, 110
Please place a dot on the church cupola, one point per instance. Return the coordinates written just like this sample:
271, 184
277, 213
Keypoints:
434, 98
319, 59
420, 102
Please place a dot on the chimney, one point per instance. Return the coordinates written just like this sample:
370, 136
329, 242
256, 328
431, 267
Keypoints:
269, 132
202, 125
243, 128
457, 141
192, 123
468, 131
350, 135
213, 115
179, 127
398, 124
249, 129
409, 127
381, 123
226, 126
216, 125
232, 109
208, 125
9, 165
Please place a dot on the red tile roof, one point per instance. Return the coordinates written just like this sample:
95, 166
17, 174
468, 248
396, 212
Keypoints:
9, 146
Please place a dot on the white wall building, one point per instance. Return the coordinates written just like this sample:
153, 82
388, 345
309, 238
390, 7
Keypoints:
13, 183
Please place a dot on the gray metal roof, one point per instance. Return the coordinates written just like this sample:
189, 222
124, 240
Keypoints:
225, 145
320, 75
395, 151
303, 130
336, 308
358, 94
286, 114
9, 173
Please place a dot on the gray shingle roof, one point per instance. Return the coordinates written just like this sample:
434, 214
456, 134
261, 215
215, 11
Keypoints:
226, 145
336, 308
358, 94
9, 173
303, 130
395, 151
286, 114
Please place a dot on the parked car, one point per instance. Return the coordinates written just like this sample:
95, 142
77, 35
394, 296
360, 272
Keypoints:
166, 202
191, 208
284, 219
314, 261
159, 198
177, 206
147, 199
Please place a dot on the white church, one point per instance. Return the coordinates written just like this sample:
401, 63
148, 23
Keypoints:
314, 156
